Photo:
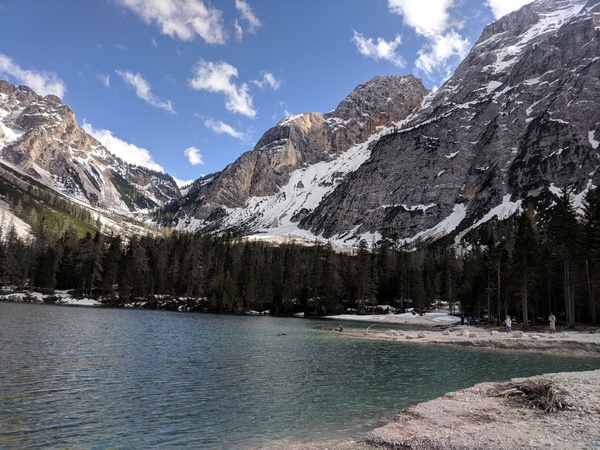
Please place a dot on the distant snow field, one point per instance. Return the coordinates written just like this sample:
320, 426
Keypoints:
62, 298
429, 318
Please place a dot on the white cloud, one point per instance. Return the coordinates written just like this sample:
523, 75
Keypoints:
441, 51
221, 127
432, 20
239, 31
381, 49
268, 81
143, 90
247, 15
425, 17
193, 155
502, 7
181, 19
42, 82
104, 79
129, 153
217, 78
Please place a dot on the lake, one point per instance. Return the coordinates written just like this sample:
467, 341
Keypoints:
76, 377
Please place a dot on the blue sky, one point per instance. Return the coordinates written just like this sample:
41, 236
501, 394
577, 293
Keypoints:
186, 86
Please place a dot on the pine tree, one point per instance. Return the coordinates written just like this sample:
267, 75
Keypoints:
494, 261
524, 261
366, 282
247, 274
387, 261
44, 271
564, 231
110, 267
89, 262
592, 237
17, 260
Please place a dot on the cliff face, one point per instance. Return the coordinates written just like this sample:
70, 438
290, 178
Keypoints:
40, 137
517, 121
249, 194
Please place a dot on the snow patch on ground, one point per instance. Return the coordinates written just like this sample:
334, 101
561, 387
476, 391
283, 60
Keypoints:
548, 22
503, 211
289, 119
9, 135
593, 142
445, 227
429, 318
59, 297
8, 220
271, 217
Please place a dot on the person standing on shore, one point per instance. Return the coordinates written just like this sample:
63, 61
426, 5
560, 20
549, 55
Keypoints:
508, 323
552, 320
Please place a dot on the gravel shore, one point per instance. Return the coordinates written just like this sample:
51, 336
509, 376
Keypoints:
583, 343
502, 416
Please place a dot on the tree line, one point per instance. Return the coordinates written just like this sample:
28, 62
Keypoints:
518, 268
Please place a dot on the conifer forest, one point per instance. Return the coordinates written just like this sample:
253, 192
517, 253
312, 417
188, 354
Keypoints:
513, 267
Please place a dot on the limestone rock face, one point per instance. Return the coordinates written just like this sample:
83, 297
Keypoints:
41, 138
297, 143
518, 120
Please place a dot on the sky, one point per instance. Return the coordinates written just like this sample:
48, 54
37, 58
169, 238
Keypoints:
186, 86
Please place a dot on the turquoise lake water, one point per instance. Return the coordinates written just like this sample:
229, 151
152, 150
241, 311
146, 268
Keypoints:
73, 377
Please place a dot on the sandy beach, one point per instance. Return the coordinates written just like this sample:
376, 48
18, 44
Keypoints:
558, 411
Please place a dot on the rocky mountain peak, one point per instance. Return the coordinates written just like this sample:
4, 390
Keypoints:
16, 94
510, 126
517, 120
298, 143
40, 138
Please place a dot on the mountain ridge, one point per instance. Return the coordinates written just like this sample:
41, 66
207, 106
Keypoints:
299, 161
496, 100
40, 137
515, 123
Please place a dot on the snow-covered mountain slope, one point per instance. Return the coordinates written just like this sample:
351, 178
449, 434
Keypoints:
518, 121
299, 162
278, 214
519, 118
40, 138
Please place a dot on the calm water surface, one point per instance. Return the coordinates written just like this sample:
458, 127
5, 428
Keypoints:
97, 378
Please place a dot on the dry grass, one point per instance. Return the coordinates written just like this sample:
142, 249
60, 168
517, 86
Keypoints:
540, 394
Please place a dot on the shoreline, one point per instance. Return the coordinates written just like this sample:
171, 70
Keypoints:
577, 343
502, 415
443, 329
484, 416
560, 411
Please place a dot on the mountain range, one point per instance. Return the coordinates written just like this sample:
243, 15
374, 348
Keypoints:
517, 122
